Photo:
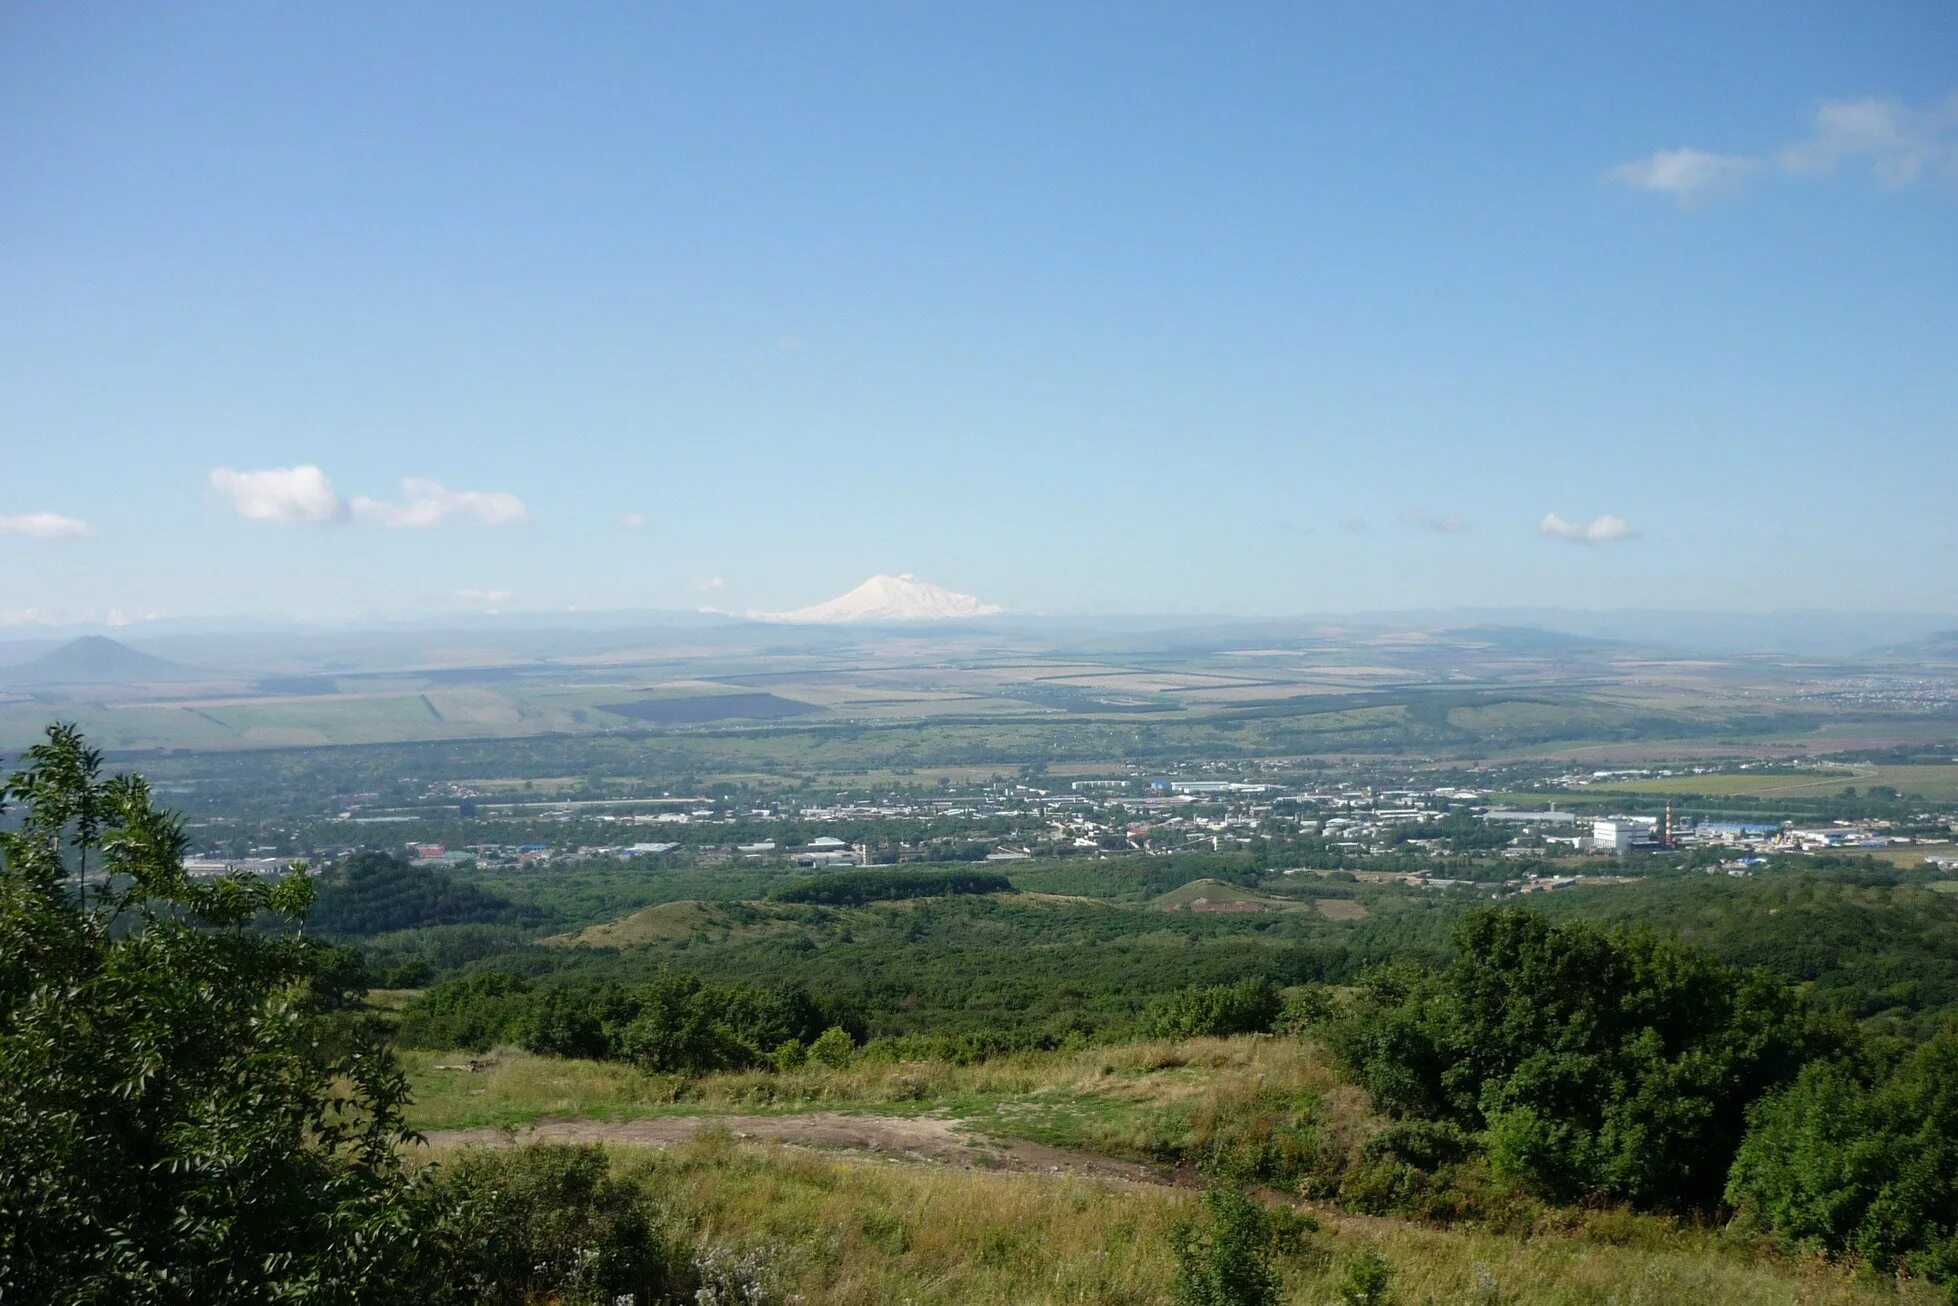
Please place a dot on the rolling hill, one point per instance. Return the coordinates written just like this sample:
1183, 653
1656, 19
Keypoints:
98, 660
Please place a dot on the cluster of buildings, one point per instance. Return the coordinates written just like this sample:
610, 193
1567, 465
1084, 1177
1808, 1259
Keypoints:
1365, 812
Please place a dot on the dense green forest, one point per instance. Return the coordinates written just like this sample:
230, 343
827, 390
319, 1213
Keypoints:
855, 888
372, 893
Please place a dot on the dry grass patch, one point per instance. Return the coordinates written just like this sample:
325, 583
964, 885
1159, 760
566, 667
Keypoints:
845, 1232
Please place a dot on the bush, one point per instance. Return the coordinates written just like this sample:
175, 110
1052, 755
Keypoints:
1850, 1160
671, 1024
832, 1048
549, 1222
1248, 1007
1367, 1282
1590, 1062
476, 1012
1224, 1258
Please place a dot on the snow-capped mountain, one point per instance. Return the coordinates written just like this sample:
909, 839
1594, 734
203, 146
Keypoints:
890, 598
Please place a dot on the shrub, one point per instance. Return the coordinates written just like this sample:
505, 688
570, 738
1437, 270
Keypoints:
549, 1222
1367, 1281
1224, 1258
1850, 1160
1590, 1061
833, 1048
1248, 1007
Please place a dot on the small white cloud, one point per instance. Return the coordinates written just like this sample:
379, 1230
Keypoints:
283, 496
1599, 530
430, 503
46, 526
635, 521
1690, 176
1354, 525
1901, 144
711, 583
790, 344
26, 617
1440, 525
491, 598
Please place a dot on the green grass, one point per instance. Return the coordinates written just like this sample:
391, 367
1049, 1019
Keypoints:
1127, 1080
1939, 783
847, 1232
883, 1230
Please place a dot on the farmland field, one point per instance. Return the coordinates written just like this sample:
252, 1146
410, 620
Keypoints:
1936, 782
716, 707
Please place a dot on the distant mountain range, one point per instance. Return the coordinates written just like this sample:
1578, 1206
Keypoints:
272, 647
889, 598
1940, 647
97, 660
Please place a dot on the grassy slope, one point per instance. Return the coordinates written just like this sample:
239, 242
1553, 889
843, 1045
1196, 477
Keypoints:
846, 1230
1037, 1095
832, 1232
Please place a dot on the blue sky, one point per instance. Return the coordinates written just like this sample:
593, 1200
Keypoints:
1138, 308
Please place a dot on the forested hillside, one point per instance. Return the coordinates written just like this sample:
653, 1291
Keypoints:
373, 893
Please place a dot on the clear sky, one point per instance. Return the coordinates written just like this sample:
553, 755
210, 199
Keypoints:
1118, 308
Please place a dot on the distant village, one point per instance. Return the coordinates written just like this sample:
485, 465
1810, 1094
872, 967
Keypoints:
1136, 814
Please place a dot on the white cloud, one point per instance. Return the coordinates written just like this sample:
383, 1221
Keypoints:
26, 617
1688, 175
283, 496
1599, 530
492, 598
46, 526
634, 521
711, 583
790, 344
1354, 525
1440, 525
429, 503
1901, 144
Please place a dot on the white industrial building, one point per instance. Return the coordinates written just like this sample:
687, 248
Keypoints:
1618, 833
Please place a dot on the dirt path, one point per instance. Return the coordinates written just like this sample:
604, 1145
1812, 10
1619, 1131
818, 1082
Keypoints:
929, 1139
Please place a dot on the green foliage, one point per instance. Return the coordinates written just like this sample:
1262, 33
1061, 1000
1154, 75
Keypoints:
549, 1222
832, 1048
1247, 1007
1849, 1159
372, 893
1008, 972
671, 1023
1591, 1062
475, 1012
1224, 1257
1368, 1281
1864, 940
1136, 878
855, 888
182, 1118
1306, 1009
